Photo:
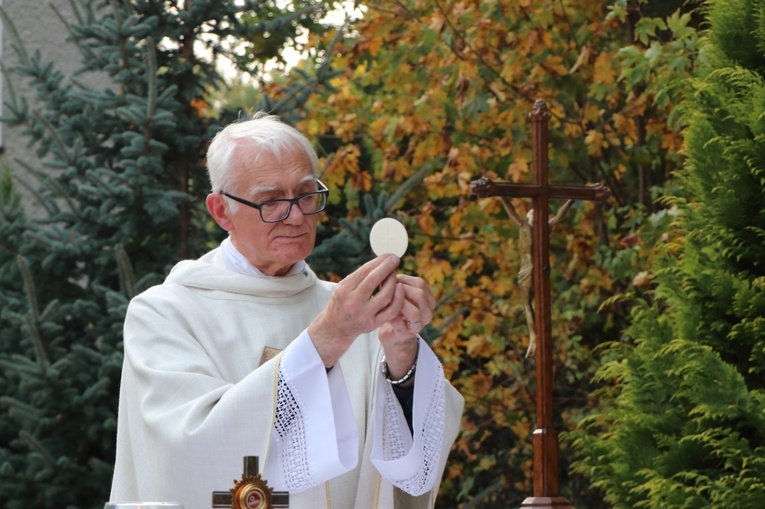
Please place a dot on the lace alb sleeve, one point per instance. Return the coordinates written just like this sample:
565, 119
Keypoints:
289, 426
411, 463
310, 444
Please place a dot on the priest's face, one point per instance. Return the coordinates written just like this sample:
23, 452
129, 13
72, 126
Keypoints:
271, 247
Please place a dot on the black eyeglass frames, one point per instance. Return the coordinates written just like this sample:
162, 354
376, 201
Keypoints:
274, 211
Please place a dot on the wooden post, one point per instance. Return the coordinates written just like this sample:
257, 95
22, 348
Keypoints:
545, 437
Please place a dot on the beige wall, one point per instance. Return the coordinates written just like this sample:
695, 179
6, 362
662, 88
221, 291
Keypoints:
40, 29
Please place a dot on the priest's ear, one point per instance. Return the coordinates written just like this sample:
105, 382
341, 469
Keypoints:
219, 210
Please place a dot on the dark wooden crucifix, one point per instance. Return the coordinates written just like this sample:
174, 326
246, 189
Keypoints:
251, 492
546, 492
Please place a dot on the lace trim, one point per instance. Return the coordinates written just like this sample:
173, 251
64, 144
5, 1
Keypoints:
393, 431
431, 436
291, 437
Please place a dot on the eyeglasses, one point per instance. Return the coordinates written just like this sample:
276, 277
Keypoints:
273, 211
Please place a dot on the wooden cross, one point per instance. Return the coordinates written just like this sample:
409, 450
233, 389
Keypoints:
546, 493
251, 492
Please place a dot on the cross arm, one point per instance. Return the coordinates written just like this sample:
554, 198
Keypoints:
225, 500
484, 187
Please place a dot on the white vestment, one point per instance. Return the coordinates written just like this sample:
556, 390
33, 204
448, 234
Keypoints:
197, 395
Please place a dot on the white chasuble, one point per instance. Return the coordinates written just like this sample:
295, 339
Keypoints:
194, 399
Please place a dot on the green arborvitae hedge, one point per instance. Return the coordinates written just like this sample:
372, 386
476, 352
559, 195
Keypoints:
683, 401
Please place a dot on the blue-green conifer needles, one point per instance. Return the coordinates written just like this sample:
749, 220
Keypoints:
118, 185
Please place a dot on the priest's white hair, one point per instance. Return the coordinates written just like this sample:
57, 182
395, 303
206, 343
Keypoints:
267, 134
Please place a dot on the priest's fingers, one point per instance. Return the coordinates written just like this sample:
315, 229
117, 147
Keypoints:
374, 297
371, 275
365, 280
416, 312
359, 303
394, 306
406, 325
414, 317
421, 298
357, 289
399, 342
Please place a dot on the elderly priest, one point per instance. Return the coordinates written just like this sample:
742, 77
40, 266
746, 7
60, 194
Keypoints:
245, 352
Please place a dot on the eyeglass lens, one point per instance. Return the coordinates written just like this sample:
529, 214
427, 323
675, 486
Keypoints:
277, 210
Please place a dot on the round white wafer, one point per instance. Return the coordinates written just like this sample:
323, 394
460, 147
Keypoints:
388, 236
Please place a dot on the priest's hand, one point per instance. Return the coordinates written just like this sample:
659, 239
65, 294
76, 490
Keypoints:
399, 335
362, 302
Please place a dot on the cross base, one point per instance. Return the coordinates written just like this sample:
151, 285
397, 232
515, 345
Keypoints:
547, 503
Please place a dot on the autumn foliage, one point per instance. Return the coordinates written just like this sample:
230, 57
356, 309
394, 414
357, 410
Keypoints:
437, 94
407, 104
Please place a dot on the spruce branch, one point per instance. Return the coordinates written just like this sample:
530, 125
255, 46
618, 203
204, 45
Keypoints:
37, 446
55, 136
39, 343
93, 355
28, 288
151, 74
127, 278
50, 205
18, 46
75, 10
49, 311
19, 408
32, 318
85, 50
95, 389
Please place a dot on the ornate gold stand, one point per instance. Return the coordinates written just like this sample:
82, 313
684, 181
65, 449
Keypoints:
251, 492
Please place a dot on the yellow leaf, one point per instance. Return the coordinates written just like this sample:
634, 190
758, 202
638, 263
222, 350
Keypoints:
436, 271
604, 69
518, 170
583, 56
595, 142
643, 278
477, 346
522, 429
496, 90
